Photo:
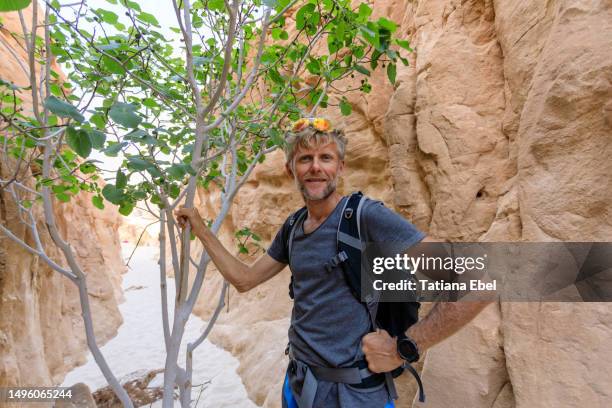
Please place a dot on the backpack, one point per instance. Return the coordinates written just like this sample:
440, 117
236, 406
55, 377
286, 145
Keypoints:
394, 317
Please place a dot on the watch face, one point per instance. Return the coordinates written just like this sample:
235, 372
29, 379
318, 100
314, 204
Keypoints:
407, 350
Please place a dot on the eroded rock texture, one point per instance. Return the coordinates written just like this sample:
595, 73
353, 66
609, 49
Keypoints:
499, 130
41, 329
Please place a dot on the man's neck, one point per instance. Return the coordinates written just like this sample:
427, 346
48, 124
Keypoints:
320, 209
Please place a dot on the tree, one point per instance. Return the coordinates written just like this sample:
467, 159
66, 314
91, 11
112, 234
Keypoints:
180, 119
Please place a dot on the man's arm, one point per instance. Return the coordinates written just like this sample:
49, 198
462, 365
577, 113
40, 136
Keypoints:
444, 320
240, 275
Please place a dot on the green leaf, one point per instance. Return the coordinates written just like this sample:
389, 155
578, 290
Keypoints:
392, 54
112, 65
279, 34
150, 140
114, 149
370, 35
303, 14
150, 102
176, 171
126, 208
155, 199
79, 141
139, 195
97, 202
154, 172
275, 136
121, 180
148, 18
387, 24
314, 66
97, 139
364, 12
366, 88
136, 134
132, 4
174, 191
88, 168
55, 90
113, 45
275, 76
139, 164
405, 44
112, 194
359, 51
107, 16
123, 114
374, 59
98, 120
333, 44
345, 107
179, 170
58, 189
391, 72
14, 5
216, 5
63, 109
63, 197
361, 69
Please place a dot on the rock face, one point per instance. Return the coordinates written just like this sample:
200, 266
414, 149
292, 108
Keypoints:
499, 130
41, 330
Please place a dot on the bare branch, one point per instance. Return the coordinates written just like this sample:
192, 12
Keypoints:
162, 277
227, 59
319, 100
34, 252
249, 81
14, 55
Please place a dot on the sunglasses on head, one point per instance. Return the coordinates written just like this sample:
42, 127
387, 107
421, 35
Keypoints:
320, 124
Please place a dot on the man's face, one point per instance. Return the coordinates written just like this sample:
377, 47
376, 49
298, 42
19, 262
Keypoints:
316, 171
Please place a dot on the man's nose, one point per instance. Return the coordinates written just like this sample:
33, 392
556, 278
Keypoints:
316, 165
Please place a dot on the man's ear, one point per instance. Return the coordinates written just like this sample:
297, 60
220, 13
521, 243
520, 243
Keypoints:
340, 168
288, 170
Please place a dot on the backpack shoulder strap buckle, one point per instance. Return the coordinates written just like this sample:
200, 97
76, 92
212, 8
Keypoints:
336, 260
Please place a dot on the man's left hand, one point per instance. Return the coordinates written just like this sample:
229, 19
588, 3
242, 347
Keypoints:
380, 351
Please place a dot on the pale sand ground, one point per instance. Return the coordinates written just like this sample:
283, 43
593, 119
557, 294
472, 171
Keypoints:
139, 344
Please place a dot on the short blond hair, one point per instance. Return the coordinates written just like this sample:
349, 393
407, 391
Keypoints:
311, 137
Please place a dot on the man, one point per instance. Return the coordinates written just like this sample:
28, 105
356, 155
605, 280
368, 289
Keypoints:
330, 328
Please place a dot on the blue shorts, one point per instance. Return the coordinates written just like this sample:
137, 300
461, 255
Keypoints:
289, 400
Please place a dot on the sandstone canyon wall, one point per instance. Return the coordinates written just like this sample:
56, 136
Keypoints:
499, 130
41, 330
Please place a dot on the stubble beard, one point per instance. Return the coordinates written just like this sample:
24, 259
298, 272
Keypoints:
329, 190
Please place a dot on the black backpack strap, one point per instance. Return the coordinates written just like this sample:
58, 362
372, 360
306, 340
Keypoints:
288, 233
349, 243
293, 221
350, 251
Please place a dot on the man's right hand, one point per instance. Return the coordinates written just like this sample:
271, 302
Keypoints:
184, 215
243, 277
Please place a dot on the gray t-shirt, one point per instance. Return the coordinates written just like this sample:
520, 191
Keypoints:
327, 321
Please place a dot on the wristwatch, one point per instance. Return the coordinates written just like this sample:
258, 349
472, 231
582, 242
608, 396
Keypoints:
407, 348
